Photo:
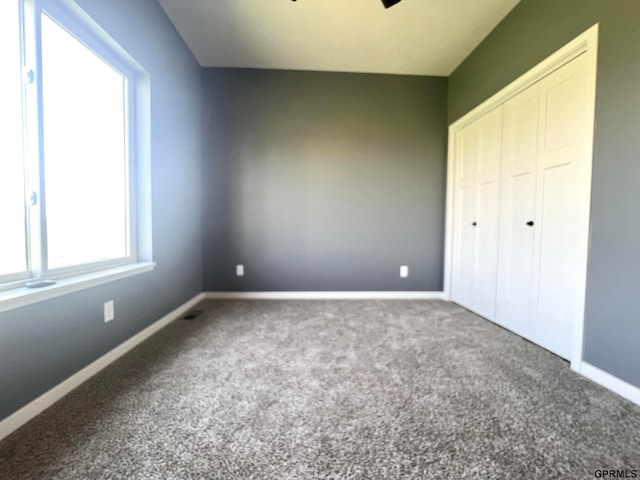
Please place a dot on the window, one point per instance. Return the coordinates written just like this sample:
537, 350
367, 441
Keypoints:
13, 240
68, 146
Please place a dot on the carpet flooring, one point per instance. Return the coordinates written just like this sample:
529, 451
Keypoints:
330, 390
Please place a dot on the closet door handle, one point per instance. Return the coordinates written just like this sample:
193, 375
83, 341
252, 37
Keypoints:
530, 223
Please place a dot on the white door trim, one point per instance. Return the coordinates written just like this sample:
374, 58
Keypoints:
585, 44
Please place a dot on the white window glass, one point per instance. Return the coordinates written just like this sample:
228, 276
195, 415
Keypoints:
85, 152
13, 251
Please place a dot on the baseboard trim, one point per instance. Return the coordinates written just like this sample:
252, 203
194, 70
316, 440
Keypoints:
613, 383
44, 401
325, 295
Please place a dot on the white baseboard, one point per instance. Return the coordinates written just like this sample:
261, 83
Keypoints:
44, 401
325, 295
622, 388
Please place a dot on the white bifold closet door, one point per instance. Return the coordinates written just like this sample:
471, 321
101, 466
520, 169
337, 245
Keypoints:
544, 211
476, 229
521, 215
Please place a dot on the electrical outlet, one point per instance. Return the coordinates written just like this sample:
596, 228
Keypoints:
109, 311
240, 270
404, 271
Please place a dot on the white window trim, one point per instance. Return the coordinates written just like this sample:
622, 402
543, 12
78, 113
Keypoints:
22, 296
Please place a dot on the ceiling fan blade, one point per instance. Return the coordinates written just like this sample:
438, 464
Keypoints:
389, 3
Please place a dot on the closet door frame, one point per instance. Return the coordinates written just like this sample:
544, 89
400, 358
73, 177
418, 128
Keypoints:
584, 44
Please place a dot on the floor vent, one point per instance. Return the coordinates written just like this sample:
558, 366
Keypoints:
192, 314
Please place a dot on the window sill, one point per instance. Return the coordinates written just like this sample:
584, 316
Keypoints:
21, 297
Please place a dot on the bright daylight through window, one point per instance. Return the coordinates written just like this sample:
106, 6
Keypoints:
13, 253
67, 204
85, 161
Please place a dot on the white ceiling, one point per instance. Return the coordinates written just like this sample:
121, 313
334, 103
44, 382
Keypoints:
419, 37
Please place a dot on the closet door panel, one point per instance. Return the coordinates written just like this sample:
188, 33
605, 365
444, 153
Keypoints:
486, 258
518, 198
562, 208
516, 253
464, 233
488, 205
465, 249
552, 281
490, 147
478, 149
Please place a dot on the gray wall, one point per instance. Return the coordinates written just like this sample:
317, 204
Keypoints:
323, 181
43, 344
533, 30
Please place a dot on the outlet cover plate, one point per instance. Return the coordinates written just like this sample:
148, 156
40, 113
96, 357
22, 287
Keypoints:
109, 311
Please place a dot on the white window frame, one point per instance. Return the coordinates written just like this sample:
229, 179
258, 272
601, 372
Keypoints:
72, 18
